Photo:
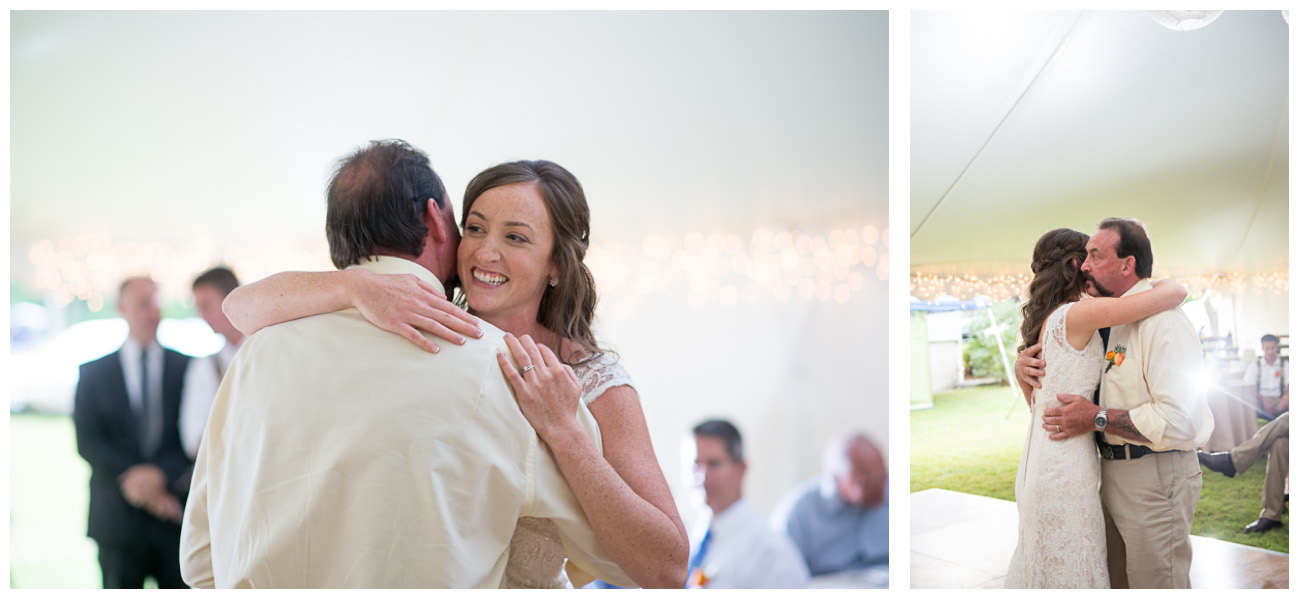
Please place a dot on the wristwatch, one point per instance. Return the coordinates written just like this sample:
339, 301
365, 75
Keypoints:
1100, 421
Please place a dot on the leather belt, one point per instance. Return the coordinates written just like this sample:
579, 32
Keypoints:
1126, 451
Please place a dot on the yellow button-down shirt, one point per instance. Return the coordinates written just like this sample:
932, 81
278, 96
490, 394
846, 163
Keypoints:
1158, 380
339, 455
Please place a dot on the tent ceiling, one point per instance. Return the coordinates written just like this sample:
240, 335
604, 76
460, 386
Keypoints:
1025, 122
170, 127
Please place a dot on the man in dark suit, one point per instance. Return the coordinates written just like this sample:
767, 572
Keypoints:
126, 412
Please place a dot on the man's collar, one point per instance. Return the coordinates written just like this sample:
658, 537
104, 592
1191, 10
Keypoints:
391, 265
1142, 285
731, 516
133, 346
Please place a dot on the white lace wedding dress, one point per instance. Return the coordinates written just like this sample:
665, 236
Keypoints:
536, 555
1062, 534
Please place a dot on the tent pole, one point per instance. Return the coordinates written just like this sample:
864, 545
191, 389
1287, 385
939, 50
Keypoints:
997, 336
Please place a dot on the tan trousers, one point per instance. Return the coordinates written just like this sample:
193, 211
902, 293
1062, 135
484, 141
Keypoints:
1275, 439
1149, 503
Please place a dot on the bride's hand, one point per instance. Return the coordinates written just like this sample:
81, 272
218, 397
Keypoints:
406, 304
548, 393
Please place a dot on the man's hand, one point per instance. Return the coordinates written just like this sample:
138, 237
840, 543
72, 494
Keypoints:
141, 483
1074, 417
164, 507
1029, 368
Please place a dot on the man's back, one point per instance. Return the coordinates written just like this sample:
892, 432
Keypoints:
340, 455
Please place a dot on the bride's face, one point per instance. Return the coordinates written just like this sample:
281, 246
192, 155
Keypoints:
504, 258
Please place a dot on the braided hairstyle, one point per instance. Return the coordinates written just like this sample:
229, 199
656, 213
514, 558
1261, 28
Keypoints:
1057, 279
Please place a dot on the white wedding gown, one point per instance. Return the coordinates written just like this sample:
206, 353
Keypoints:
536, 554
1062, 533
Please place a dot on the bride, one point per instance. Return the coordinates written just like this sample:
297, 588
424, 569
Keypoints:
520, 267
1062, 537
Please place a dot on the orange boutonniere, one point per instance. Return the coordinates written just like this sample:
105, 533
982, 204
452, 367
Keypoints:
1115, 357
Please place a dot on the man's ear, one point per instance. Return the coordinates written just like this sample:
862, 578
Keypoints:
1128, 264
433, 219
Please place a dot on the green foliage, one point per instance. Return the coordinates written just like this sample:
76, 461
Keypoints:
980, 349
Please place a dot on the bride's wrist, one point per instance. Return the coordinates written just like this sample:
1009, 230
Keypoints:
563, 434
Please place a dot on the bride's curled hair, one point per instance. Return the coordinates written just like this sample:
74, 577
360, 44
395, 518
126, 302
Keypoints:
1057, 279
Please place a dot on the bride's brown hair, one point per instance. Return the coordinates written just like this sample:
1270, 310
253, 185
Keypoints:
569, 306
1057, 279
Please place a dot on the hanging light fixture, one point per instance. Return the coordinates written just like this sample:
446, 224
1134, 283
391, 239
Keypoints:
1184, 20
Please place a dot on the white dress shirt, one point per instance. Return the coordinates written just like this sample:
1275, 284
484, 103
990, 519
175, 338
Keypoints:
202, 378
1272, 379
339, 455
1157, 382
744, 552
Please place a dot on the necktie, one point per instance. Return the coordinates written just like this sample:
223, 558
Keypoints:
695, 575
151, 420
1105, 343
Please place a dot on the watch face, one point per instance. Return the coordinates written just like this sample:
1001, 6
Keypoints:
1100, 421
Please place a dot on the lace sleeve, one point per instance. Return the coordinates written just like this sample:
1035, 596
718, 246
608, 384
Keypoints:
1056, 329
599, 375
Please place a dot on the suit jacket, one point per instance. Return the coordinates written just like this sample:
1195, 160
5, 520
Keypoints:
108, 438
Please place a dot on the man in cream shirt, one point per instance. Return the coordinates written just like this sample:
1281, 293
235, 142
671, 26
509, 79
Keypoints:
1152, 417
339, 455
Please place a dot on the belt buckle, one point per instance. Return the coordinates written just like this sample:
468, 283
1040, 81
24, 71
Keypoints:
1108, 453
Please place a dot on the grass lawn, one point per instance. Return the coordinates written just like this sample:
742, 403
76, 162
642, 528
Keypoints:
972, 439
48, 499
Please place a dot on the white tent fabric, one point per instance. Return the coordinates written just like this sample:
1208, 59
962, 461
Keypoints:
735, 164
1027, 121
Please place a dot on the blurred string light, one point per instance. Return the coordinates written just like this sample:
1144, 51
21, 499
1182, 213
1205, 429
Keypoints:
91, 267
1005, 287
705, 270
729, 270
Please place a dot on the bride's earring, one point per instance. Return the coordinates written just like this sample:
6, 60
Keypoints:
555, 281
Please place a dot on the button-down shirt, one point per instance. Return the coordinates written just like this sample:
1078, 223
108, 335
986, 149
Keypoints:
1157, 382
339, 455
744, 552
1272, 379
202, 378
832, 534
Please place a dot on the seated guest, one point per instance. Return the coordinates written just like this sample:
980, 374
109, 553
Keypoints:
1275, 439
737, 549
1272, 382
840, 520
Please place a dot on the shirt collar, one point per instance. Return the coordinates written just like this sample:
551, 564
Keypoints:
391, 265
1141, 286
132, 346
731, 518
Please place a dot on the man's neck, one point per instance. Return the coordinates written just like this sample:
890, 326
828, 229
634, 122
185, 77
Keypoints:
723, 508
144, 342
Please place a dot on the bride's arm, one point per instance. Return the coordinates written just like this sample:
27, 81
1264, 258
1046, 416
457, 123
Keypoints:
401, 304
1094, 313
623, 493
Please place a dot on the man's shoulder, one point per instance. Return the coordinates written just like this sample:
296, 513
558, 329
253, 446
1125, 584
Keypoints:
1168, 319
104, 362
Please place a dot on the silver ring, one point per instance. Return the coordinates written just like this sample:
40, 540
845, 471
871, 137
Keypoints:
526, 369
